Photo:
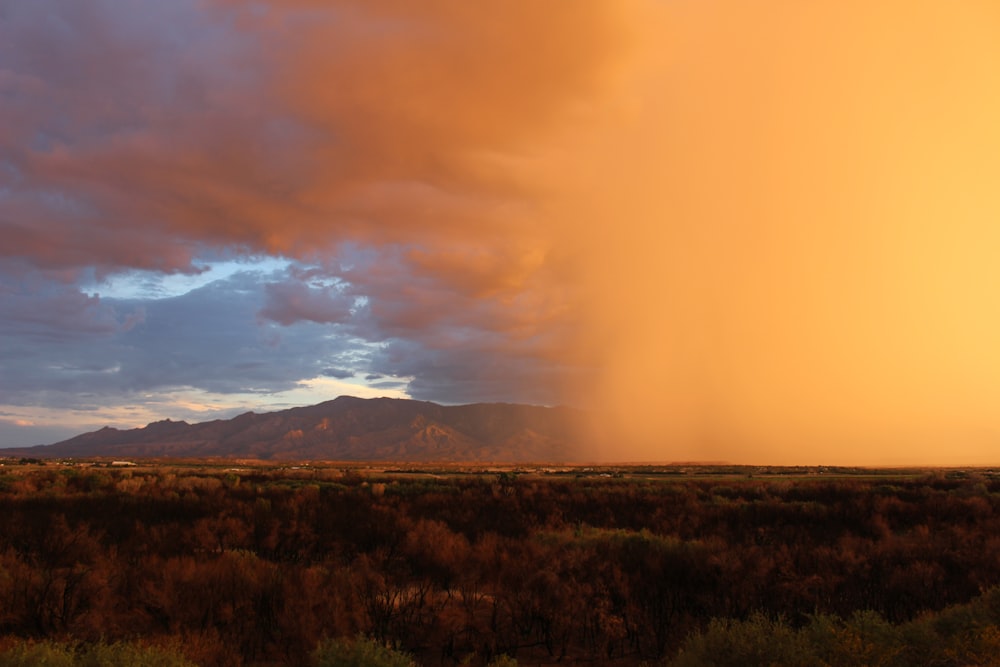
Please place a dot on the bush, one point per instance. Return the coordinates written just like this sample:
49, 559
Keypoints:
960, 635
120, 654
503, 661
755, 642
360, 652
863, 639
48, 654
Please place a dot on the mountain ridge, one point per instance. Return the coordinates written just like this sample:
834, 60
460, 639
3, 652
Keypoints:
345, 428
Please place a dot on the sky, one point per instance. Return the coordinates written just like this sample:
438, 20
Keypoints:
762, 233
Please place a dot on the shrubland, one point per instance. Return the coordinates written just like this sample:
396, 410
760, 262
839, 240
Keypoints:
216, 567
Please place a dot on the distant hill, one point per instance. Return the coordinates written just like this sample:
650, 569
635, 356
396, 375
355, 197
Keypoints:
345, 429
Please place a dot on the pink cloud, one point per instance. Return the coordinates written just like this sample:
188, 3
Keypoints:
286, 130
142, 138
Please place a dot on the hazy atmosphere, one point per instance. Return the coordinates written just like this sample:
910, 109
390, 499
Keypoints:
748, 232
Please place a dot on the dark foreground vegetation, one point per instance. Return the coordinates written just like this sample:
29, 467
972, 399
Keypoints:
258, 566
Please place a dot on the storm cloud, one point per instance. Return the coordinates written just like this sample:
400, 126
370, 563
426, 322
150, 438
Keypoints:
370, 144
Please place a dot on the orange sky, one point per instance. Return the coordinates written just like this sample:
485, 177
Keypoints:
792, 234
761, 232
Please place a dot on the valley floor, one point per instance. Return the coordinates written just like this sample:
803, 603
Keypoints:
235, 563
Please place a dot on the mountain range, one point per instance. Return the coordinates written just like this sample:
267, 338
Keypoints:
346, 429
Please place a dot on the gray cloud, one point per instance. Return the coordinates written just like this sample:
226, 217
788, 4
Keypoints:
53, 311
339, 373
210, 338
294, 301
471, 373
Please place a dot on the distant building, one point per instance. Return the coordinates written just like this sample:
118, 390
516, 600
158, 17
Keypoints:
121, 464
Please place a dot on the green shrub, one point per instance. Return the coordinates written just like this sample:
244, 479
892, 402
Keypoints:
123, 654
120, 654
359, 652
44, 654
864, 639
503, 661
756, 642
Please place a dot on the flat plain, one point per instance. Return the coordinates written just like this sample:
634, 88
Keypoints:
242, 562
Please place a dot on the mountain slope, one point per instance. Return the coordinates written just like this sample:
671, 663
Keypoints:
348, 429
